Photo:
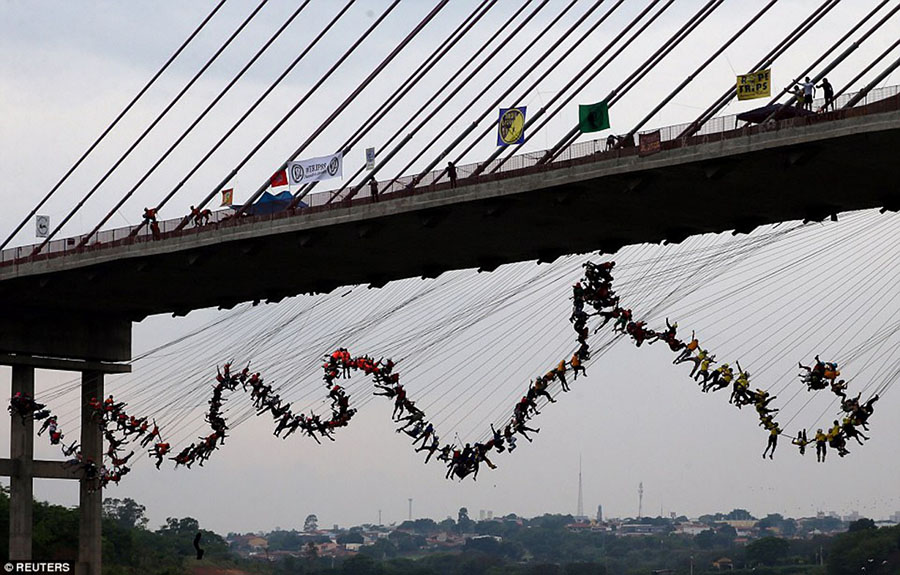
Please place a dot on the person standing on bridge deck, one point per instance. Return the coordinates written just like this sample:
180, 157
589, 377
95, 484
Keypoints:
828, 90
373, 189
809, 92
451, 173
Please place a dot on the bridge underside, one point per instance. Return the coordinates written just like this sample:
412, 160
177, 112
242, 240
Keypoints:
736, 184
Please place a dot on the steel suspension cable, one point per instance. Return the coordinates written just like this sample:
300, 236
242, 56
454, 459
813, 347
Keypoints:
630, 135
609, 46
347, 101
509, 37
636, 76
113, 124
153, 124
825, 54
240, 121
522, 77
197, 120
862, 93
868, 68
436, 56
421, 152
440, 90
852, 48
535, 83
765, 62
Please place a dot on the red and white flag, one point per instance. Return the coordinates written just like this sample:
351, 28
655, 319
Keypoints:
279, 179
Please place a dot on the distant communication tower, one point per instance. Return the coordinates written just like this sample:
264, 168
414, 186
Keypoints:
640, 498
580, 491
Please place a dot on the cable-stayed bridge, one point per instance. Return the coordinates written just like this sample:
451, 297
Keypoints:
69, 303
732, 180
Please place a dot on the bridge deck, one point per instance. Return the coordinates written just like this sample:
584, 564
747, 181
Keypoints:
734, 180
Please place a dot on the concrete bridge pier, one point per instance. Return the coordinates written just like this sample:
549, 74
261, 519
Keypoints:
98, 343
90, 497
21, 453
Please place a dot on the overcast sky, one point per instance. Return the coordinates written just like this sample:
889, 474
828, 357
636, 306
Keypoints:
66, 70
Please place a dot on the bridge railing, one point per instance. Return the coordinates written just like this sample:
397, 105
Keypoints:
716, 129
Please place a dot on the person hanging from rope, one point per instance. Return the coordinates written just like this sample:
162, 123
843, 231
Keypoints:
814, 375
50, 421
560, 373
430, 447
159, 451
539, 388
607, 316
688, 350
575, 362
399, 402
740, 395
424, 434
851, 432
702, 355
837, 440
520, 428
120, 461
70, 450
295, 424
773, 441
821, 446
839, 388
801, 441
509, 437
703, 374
622, 321
186, 456
719, 379
497, 440
762, 401
283, 424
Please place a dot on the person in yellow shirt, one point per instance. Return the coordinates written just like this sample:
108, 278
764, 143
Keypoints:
821, 446
801, 441
773, 441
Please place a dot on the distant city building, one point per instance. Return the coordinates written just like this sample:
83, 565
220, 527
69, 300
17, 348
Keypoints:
481, 514
896, 517
599, 513
854, 516
490, 514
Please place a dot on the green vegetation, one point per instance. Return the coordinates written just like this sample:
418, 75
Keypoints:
546, 545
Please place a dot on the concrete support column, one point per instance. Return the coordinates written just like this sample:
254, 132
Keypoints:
91, 496
21, 452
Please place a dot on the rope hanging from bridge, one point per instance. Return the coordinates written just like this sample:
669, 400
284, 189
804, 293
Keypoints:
594, 291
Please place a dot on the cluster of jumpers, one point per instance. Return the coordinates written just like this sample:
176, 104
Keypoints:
596, 291
592, 296
117, 428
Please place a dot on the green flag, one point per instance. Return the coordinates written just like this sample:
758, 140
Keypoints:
593, 117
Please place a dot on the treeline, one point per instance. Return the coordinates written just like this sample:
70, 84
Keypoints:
510, 546
129, 547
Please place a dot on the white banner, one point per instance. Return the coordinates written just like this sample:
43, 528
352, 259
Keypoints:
370, 158
316, 169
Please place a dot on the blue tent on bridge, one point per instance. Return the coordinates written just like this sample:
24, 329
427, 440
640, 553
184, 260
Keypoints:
272, 203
